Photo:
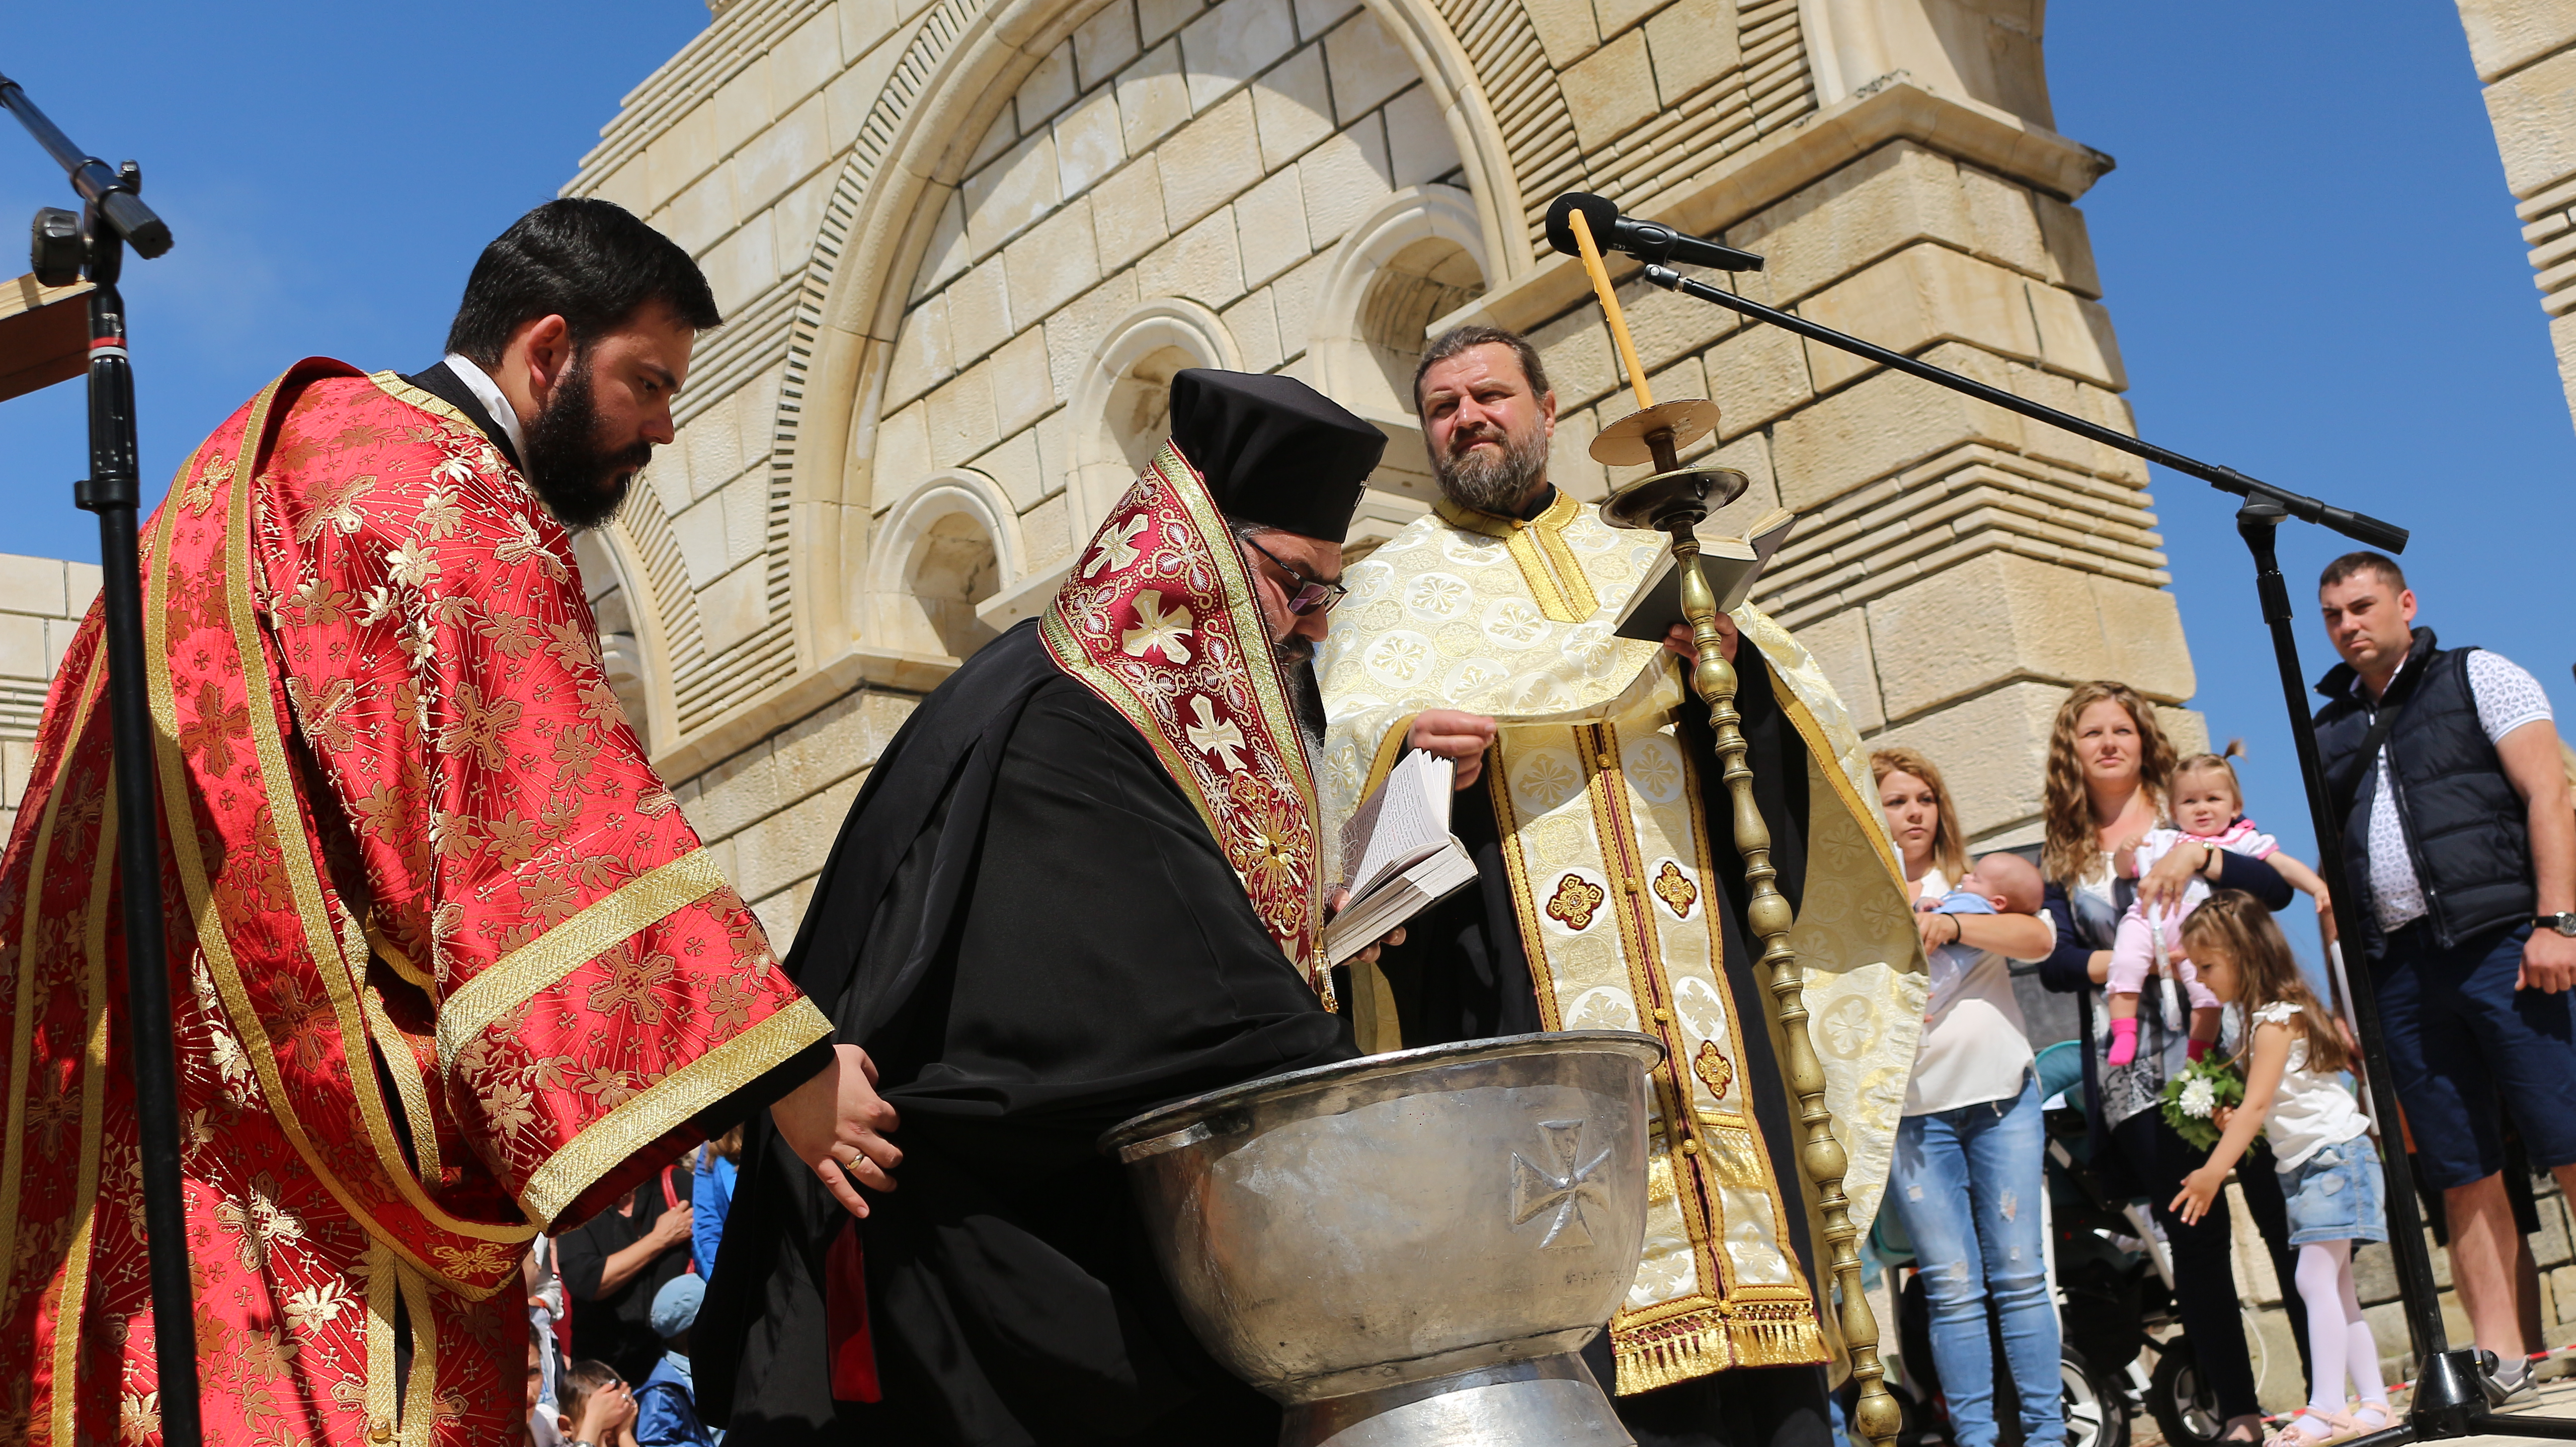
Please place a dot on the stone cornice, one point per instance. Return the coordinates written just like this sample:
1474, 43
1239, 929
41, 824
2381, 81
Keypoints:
773, 709
1892, 108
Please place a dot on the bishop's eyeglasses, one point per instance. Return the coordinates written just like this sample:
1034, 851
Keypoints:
1312, 595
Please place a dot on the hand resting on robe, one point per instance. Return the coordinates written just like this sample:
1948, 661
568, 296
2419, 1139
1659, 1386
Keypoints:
837, 1124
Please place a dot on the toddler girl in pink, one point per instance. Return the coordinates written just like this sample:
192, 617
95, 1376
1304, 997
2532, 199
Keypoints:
2208, 809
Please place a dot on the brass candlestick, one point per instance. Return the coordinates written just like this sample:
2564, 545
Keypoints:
1673, 500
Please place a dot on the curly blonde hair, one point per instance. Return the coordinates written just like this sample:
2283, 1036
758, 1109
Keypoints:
2073, 850
1949, 846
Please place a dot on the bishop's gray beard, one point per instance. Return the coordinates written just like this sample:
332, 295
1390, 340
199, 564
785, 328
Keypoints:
1306, 698
1493, 482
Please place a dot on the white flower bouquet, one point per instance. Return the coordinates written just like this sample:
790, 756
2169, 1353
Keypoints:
2194, 1097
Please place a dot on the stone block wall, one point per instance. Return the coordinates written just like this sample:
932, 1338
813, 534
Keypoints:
2525, 53
41, 603
1172, 169
1955, 566
771, 812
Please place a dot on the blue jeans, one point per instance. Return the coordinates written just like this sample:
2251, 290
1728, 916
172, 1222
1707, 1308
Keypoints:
1967, 1183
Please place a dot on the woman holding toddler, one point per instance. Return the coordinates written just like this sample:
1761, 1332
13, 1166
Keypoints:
2108, 849
1967, 1177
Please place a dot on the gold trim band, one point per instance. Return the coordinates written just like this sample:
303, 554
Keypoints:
22, 1022
518, 977
665, 1105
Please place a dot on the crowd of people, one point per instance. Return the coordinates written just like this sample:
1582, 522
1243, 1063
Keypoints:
611, 1304
2153, 905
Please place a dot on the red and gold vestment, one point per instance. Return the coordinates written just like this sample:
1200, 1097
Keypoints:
448, 965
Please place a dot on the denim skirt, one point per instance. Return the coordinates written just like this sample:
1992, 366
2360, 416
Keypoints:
2335, 1195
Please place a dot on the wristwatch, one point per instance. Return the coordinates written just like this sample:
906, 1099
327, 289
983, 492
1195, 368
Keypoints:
2564, 922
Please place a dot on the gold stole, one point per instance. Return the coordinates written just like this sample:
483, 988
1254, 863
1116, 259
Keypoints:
1606, 841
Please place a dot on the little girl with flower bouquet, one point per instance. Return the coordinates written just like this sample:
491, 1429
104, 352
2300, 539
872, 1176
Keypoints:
2294, 1053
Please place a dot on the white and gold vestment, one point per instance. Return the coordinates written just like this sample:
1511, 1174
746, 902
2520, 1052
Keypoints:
1599, 799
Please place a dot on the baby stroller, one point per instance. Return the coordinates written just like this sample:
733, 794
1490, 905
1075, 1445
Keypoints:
2114, 1287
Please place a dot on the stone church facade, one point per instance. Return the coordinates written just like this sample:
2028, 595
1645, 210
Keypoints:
964, 245
2525, 54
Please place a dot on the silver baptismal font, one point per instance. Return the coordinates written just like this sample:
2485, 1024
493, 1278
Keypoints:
1407, 1250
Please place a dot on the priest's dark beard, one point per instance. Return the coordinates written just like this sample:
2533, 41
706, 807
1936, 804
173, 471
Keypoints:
1488, 482
580, 482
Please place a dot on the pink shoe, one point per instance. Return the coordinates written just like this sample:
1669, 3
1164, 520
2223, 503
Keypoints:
2313, 1429
2124, 1041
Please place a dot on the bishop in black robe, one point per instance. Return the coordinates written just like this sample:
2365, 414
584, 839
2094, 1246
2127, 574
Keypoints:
1049, 910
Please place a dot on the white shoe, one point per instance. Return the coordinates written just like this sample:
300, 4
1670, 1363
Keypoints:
2502, 1390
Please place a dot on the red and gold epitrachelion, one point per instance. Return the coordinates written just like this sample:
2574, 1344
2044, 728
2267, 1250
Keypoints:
1158, 619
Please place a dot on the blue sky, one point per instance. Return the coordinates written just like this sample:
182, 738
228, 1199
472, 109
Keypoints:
2307, 247
330, 173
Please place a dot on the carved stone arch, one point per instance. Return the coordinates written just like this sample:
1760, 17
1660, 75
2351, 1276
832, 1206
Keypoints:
963, 64
633, 629
945, 547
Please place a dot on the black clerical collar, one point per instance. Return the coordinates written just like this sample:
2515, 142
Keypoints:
1546, 498
443, 383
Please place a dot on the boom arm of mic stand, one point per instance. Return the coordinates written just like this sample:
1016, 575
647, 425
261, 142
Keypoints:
2359, 526
97, 183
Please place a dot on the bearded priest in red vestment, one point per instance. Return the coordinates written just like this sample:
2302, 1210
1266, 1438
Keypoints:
449, 967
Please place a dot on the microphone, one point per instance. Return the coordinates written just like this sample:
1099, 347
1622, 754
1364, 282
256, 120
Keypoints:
1647, 241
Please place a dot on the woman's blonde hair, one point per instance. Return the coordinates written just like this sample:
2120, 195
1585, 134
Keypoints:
2238, 925
1949, 846
2073, 851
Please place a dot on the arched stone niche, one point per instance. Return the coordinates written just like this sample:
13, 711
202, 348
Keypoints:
946, 547
1410, 263
1075, 201
1121, 407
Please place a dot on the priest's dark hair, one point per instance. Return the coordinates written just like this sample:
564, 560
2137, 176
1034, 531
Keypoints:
591, 262
1458, 339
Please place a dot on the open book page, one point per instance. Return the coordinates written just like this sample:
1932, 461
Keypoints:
1401, 896
1731, 566
1406, 820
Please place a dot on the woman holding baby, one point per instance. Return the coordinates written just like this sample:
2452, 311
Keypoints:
2111, 856
1967, 1178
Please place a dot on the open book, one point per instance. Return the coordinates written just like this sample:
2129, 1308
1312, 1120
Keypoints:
1399, 853
1730, 564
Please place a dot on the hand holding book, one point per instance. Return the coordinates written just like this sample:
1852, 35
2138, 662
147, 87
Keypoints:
1399, 855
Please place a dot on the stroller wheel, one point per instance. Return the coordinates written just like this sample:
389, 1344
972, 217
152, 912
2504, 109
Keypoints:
2095, 1413
2181, 1399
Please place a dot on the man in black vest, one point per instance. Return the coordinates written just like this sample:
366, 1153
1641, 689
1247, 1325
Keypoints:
2461, 846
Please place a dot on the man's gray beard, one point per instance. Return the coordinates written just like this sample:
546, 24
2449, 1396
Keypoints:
1495, 483
1305, 693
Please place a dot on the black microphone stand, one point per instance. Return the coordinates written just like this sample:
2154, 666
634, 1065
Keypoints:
2449, 1398
93, 245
